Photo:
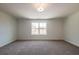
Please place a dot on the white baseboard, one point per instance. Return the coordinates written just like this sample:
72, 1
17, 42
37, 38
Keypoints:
76, 44
7, 43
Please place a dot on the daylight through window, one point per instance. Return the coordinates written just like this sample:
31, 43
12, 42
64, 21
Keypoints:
39, 28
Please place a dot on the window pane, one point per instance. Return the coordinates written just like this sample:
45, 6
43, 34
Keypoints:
35, 25
43, 31
39, 28
43, 25
35, 32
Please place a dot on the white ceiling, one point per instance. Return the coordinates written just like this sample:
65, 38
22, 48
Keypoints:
27, 10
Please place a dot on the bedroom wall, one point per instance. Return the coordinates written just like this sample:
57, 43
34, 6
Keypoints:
7, 29
71, 29
54, 29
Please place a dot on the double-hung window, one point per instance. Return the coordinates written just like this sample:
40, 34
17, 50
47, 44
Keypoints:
39, 28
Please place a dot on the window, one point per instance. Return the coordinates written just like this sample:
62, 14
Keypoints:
39, 28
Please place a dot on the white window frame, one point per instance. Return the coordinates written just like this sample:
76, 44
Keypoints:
41, 29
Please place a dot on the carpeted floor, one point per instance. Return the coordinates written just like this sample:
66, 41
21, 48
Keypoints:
39, 48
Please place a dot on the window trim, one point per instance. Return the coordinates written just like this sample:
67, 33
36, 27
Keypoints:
39, 28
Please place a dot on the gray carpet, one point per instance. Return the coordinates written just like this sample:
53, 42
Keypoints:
39, 48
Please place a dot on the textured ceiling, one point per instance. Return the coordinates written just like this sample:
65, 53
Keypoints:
27, 10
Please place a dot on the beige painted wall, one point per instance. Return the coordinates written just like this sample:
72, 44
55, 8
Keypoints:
54, 30
7, 29
71, 29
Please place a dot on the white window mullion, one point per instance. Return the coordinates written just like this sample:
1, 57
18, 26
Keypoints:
39, 28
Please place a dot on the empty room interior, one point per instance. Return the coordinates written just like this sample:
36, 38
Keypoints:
39, 28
